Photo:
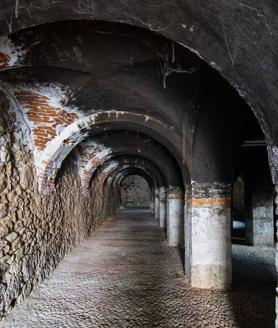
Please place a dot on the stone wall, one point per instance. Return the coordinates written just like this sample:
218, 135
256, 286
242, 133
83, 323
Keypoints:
36, 231
135, 192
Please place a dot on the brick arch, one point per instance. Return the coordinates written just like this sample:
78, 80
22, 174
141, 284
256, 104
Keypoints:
144, 164
130, 170
161, 160
58, 148
122, 173
217, 55
103, 178
108, 174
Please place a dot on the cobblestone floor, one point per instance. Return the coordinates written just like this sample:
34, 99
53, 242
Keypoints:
125, 275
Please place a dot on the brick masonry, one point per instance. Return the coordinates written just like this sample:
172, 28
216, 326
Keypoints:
4, 60
44, 117
211, 202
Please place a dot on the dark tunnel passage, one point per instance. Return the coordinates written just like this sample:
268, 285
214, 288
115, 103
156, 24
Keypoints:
137, 177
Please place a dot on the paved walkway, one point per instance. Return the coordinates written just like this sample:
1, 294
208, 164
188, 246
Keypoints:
124, 276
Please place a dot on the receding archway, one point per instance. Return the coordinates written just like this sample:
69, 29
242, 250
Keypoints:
184, 108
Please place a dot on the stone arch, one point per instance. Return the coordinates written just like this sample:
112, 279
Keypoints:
173, 177
56, 151
116, 164
123, 172
218, 55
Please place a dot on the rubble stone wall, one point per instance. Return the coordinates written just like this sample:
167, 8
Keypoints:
36, 231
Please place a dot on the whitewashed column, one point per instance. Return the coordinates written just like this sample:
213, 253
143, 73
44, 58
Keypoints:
187, 231
211, 262
152, 205
273, 160
276, 248
175, 216
162, 207
156, 203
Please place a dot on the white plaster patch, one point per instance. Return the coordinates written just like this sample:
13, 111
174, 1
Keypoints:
213, 65
22, 133
111, 166
103, 153
3, 150
196, 52
211, 247
16, 54
58, 94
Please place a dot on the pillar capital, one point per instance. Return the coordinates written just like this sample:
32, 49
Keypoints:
176, 192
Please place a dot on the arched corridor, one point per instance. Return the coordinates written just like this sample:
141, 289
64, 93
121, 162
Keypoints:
138, 163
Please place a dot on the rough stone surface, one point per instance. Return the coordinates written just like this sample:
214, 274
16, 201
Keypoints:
37, 231
125, 275
135, 192
259, 225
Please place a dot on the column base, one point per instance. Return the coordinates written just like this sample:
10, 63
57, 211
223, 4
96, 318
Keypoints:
211, 277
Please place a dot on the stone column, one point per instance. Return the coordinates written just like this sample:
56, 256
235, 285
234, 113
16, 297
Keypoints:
211, 262
156, 203
152, 207
187, 231
162, 207
175, 216
273, 161
260, 217
276, 249
259, 195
